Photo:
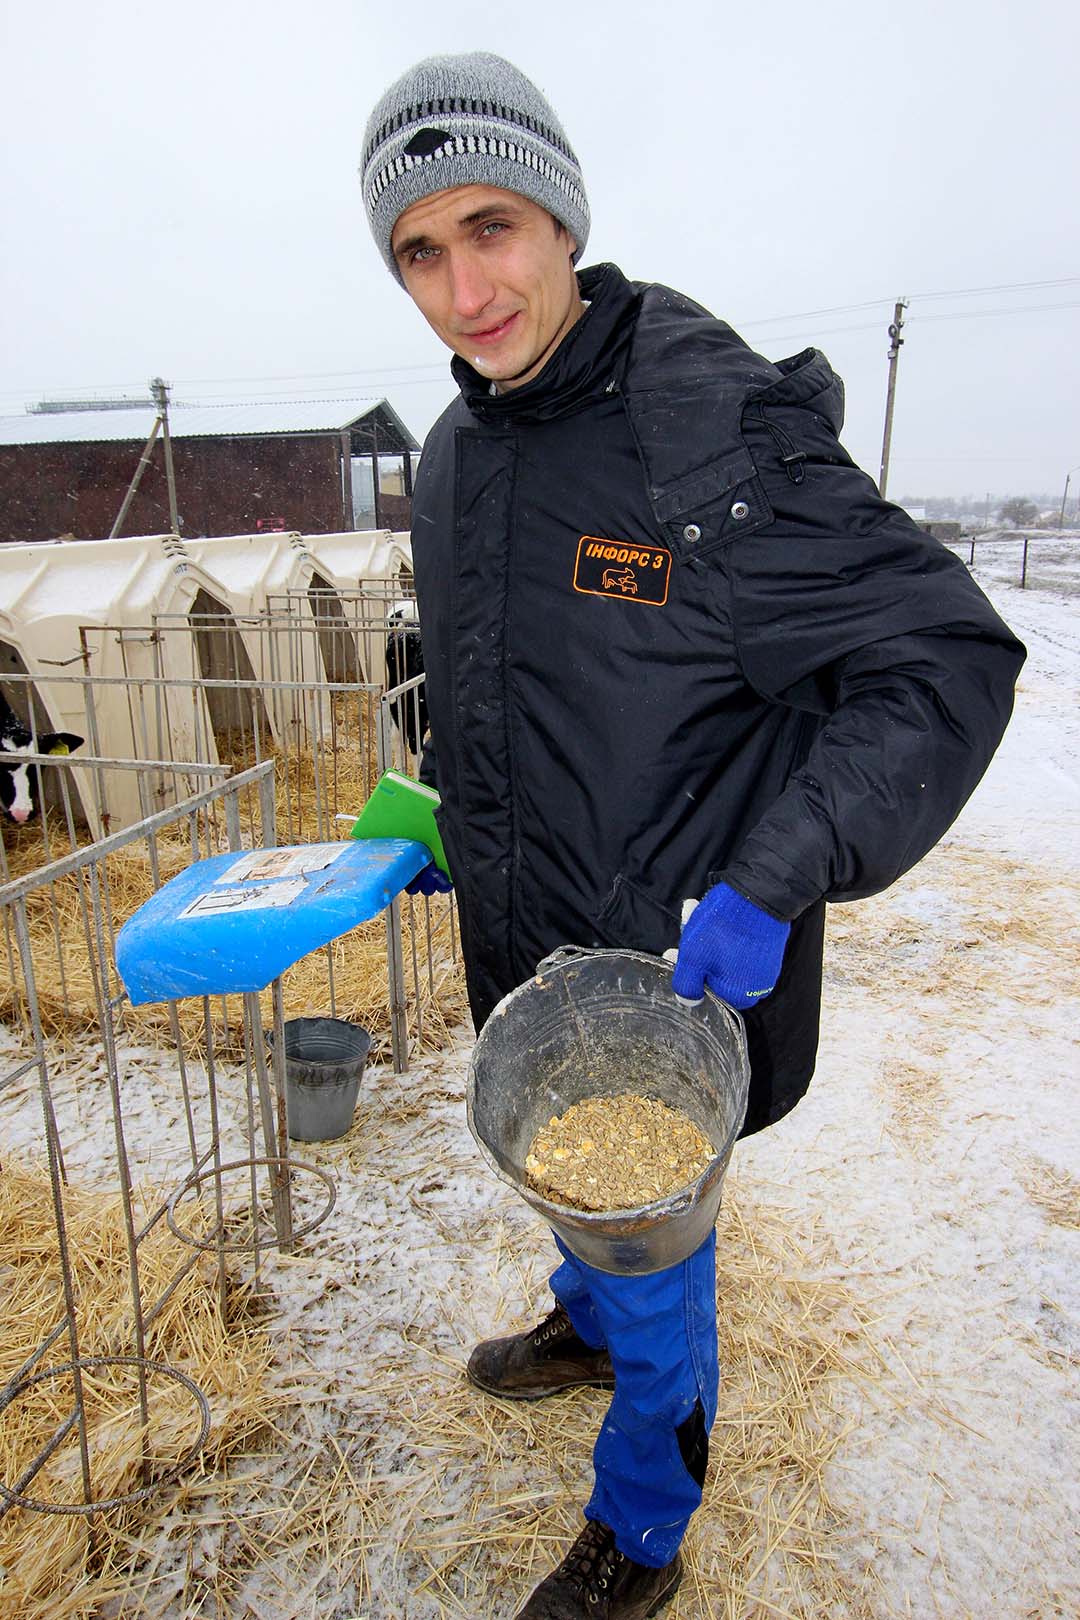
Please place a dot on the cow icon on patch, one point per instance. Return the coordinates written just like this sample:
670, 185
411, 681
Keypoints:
622, 570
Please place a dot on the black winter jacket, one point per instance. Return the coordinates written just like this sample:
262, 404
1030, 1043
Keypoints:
673, 635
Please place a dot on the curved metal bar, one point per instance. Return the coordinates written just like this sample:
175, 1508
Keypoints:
212, 1245
102, 1504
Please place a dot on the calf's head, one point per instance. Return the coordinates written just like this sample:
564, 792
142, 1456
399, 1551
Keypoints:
18, 780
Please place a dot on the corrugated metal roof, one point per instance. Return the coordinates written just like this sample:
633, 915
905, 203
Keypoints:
187, 421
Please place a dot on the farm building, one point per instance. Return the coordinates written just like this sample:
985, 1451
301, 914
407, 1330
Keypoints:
946, 529
315, 466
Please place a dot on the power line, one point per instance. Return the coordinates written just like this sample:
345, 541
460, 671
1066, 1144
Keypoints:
384, 374
957, 315
405, 382
948, 461
392, 376
809, 314
311, 396
274, 399
1005, 286
955, 292
295, 376
829, 331
977, 314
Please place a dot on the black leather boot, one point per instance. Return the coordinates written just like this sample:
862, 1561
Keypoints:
543, 1361
596, 1582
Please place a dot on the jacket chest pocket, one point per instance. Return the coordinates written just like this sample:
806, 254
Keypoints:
719, 497
713, 506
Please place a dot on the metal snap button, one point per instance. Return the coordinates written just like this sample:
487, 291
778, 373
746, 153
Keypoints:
739, 511
691, 532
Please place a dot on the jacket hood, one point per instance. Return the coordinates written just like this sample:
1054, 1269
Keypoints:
590, 355
807, 379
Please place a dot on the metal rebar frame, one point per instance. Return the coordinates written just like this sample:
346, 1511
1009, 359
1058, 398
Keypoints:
262, 690
427, 940
213, 1183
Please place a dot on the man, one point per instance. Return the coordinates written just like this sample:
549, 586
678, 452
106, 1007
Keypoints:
676, 645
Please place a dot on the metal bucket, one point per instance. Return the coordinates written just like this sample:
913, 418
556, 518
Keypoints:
324, 1063
592, 1024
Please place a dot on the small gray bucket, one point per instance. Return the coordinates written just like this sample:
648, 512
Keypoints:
594, 1023
324, 1063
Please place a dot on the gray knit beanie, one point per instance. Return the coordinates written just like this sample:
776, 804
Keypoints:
470, 120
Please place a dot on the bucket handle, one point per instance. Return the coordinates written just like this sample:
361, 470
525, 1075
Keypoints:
564, 954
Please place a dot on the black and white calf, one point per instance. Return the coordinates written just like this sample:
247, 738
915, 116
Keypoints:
404, 659
18, 782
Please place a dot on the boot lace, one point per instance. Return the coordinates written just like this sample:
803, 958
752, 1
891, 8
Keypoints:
592, 1561
555, 1326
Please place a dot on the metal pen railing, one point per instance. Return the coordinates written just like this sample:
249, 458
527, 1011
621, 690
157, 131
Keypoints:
217, 1192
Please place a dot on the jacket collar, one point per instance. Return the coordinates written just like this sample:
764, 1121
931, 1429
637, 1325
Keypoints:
588, 359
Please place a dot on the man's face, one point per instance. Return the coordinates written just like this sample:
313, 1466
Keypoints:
491, 273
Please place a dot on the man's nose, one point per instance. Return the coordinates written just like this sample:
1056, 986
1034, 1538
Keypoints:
473, 287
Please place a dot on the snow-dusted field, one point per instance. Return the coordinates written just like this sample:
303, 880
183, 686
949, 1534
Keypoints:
941, 1141
918, 1217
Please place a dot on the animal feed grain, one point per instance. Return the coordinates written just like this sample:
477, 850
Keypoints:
618, 1152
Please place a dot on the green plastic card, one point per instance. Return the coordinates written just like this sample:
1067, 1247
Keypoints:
402, 808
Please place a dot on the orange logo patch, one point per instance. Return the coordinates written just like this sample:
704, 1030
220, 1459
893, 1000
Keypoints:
633, 573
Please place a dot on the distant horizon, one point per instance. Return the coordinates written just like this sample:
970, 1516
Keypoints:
969, 498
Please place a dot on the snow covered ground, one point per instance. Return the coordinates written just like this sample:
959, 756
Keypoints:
921, 1208
941, 1140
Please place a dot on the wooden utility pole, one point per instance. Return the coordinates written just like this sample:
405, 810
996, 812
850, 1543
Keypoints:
895, 341
348, 518
160, 393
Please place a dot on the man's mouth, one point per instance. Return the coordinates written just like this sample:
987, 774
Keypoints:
492, 334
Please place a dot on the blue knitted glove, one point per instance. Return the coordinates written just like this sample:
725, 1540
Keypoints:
431, 880
732, 946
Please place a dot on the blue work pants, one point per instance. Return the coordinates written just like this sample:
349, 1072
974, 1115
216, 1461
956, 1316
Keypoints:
650, 1455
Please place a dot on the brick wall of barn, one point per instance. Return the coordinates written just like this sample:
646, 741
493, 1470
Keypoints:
223, 486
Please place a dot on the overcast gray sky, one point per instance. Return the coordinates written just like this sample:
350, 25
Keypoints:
180, 197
